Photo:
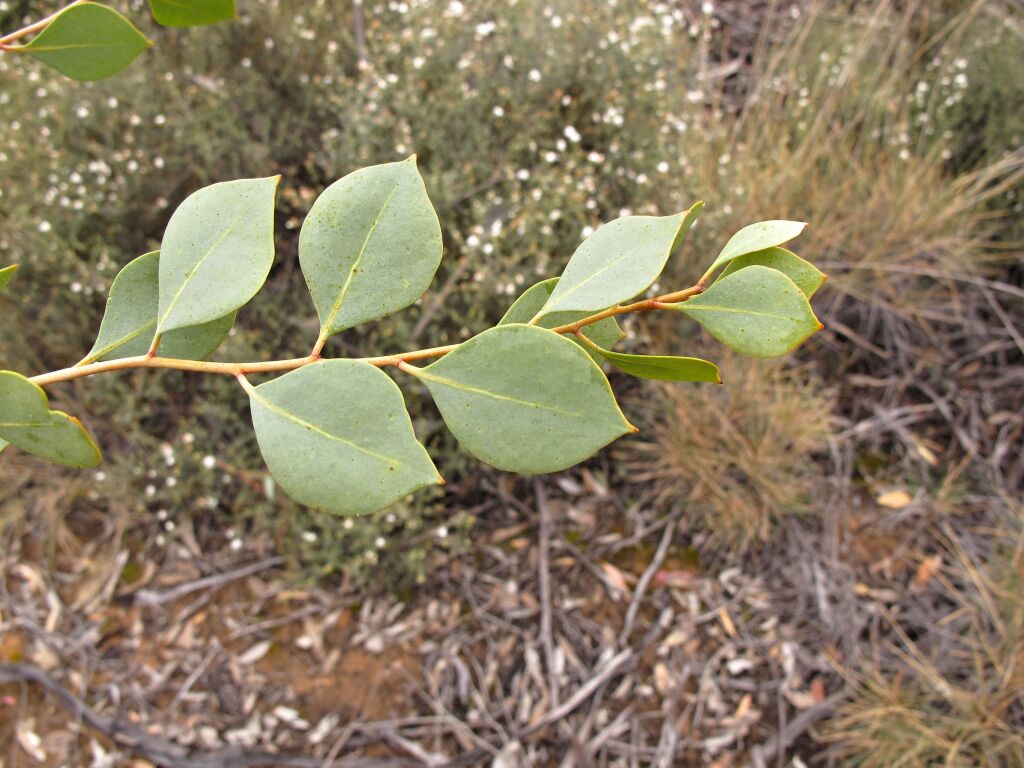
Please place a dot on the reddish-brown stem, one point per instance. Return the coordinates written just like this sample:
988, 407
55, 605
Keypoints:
35, 27
239, 370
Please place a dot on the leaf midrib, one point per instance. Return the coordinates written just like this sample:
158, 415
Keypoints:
72, 46
733, 310
494, 395
192, 273
273, 408
336, 307
97, 354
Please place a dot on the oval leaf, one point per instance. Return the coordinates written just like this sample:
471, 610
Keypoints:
129, 321
370, 245
27, 422
87, 42
336, 436
6, 274
757, 311
756, 237
807, 277
620, 260
661, 367
192, 13
524, 399
216, 253
605, 333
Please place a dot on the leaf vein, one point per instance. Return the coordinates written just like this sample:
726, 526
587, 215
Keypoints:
332, 315
198, 266
494, 395
323, 433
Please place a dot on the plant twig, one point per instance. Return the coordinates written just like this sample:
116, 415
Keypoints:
34, 27
281, 366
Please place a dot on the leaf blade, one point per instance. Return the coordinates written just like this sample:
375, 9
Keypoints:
87, 42
216, 253
620, 260
347, 461
6, 274
605, 333
524, 399
192, 13
661, 367
27, 422
370, 245
129, 320
757, 311
756, 237
805, 275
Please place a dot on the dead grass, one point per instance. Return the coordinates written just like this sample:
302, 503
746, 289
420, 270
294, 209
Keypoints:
739, 457
953, 696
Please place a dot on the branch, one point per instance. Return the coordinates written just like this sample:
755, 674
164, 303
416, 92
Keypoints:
38, 26
236, 370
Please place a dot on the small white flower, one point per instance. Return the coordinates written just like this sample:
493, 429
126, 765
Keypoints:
45, 226
572, 134
209, 462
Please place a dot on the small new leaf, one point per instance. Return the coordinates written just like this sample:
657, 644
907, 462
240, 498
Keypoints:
755, 237
370, 245
807, 277
87, 42
27, 422
524, 399
757, 311
129, 321
336, 436
620, 260
216, 253
605, 333
6, 274
192, 13
660, 367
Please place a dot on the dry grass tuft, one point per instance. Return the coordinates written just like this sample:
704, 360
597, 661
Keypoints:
739, 457
953, 696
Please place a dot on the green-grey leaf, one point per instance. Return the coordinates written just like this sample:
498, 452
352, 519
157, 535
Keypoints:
620, 260
605, 333
129, 321
807, 277
87, 42
756, 237
336, 436
27, 422
192, 13
661, 367
217, 252
370, 245
3, 444
757, 311
6, 274
524, 399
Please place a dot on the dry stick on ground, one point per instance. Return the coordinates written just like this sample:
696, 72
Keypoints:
645, 580
149, 598
544, 579
162, 752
